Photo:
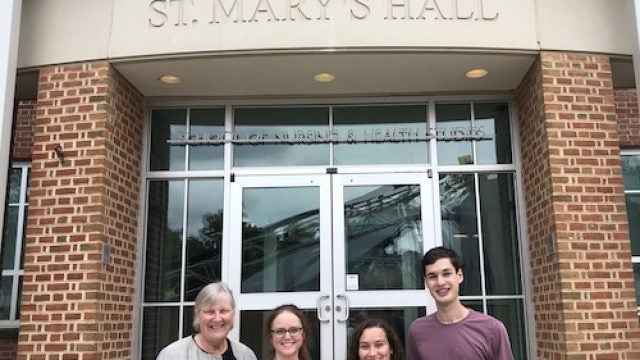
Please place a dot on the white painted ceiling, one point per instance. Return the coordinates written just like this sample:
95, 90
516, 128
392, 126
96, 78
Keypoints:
361, 73
357, 73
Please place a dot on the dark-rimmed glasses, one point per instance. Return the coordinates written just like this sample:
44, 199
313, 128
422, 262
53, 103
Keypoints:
293, 331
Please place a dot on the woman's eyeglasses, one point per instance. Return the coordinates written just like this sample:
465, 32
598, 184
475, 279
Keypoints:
293, 331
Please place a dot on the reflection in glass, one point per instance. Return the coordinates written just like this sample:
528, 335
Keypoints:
187, 321
167, 124
631, 172
15, 178
399, 125
24, 236
399, 318
10, 236
460, 227
493, 119
636, 271
253, 326
281, 239
208, 123
499, 234
204, 235
299, 128
454, 120
159, 329
383, 236
633, 212
473, 304
5, 297
511, 313
164, 240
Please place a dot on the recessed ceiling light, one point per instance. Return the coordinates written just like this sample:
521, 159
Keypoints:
324, 77
476, 73
170, 79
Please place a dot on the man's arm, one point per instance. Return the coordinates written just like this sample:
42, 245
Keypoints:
502, 347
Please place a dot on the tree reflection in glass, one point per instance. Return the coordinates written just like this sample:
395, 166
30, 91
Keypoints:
383, 236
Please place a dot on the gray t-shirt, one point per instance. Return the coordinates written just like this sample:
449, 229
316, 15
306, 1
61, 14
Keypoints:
477, 336
187, 349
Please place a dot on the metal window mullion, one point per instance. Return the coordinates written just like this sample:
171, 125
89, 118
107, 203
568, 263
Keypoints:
183, 266
483, 285
187, 148
331, 145
225, 265
435, 176
474, 150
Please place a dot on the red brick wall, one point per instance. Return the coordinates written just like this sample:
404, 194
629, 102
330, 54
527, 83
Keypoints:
71, 302
23, 130
628, 118
583, 294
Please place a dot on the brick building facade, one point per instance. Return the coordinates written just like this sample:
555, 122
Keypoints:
140, 191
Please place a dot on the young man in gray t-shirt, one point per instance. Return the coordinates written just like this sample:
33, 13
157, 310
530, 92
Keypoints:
454, 331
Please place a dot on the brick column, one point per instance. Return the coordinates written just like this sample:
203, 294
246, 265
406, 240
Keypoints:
83, 197
23, 130
582, 288
627, 111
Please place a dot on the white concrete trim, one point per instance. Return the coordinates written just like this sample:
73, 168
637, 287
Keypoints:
10, 12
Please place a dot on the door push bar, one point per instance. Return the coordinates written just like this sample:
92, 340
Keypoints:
346, 307
320, 308
327, 308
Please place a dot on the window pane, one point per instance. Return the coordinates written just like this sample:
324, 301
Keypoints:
187, 321
24, 236
159, 329
15, 178
473, 304
252, 328
5, 297
493, 119
636, 271
499, 234
631, 171
10, 234
392, 123
204, 235
281, 239
511, 313
399, 318
451, 119
164, 241
383, 236
167, 124
460, 227
206, 124
633, 212
298, 127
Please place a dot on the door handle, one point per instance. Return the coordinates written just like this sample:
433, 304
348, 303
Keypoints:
346, 307
319, 308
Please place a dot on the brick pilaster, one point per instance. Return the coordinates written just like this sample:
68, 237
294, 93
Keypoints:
23, 130
583, 290
83, 197
628, 117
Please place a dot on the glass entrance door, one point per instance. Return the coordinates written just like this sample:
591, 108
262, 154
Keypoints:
341, 247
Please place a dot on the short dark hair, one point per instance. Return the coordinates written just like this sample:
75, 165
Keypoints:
438, 253
395, 345
304, 353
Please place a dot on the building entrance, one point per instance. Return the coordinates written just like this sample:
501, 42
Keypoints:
341, 247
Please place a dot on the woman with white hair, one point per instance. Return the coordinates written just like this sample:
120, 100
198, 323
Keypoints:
212, 320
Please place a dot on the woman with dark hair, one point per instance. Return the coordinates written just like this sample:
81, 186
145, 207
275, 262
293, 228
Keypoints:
288, 333
375, 339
